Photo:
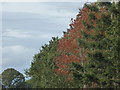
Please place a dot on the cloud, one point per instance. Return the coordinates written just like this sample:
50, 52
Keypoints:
16, 50
15, 34
0, 7
10, 33
0, 55
48, 0
44, 9
27, 26
17, 56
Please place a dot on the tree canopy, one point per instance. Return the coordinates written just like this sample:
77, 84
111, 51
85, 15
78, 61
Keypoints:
13, 78
87, 56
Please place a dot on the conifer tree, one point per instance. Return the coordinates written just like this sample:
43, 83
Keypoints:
103, 63
87, 56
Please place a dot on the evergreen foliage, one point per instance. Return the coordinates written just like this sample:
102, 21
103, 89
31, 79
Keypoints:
12, 78
87, 56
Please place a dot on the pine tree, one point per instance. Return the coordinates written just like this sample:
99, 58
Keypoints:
103, 63
87, 56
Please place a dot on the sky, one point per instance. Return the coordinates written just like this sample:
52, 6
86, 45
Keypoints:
47, 0
26, 26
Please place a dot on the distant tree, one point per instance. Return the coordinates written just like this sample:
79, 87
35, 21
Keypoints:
13, 78
0, 78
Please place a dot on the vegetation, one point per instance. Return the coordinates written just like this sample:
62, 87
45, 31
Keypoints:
87, 56
12, 78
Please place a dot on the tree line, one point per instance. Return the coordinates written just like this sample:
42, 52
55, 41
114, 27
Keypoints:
87, 56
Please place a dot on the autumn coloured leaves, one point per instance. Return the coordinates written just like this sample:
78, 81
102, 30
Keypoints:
69, 47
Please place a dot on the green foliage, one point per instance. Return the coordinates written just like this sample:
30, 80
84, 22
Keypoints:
104, 4
0, 78
92, 7
92, 16
88, 26
101, 44
12, 78
42, 68
103, 63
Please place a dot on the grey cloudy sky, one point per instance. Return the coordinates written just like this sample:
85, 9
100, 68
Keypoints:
28, 26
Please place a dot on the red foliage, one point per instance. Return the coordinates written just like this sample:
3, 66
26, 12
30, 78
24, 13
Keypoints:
69, 46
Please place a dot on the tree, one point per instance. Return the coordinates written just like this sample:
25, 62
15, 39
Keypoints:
86, 56
13, 78
102, 66
0, 78
43, 69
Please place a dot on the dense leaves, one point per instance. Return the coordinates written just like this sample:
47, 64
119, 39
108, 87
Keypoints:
13, 79
86, 56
